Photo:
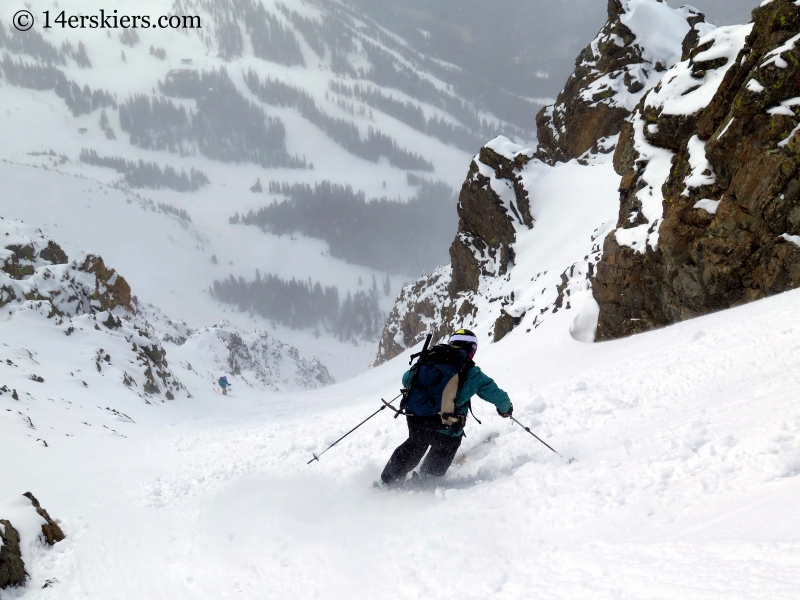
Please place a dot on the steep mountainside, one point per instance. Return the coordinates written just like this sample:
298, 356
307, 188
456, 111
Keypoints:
529, 238
640, 41
37, 277
263, 139
496, 282
710, 206
707, 216
73, 326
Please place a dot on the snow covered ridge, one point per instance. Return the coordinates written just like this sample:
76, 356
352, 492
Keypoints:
640, 41
255, 359
710, 198
90, 308
528, 241
36, 277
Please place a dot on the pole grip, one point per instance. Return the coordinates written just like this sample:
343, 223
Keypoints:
427, 343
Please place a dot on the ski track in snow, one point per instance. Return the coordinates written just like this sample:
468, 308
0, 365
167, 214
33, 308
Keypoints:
687, 443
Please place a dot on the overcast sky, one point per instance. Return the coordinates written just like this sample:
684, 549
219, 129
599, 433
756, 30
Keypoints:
524, 46
724, 12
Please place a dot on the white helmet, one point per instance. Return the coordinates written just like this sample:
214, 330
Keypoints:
466, 340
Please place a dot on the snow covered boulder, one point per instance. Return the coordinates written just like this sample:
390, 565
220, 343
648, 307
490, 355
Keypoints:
639, 42
33, 526
710, 194
51, 531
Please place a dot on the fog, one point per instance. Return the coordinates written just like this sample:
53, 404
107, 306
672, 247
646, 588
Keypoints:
526, 46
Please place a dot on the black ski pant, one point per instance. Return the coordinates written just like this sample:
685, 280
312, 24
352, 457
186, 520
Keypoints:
443, 450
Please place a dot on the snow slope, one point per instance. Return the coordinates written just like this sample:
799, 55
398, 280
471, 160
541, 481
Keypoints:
687, 442
75, 202
686, 439
572, 206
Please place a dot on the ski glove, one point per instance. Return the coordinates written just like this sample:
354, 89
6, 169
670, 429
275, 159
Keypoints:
505, 415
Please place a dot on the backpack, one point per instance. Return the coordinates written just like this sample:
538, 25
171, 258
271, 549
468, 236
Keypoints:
223, 381
435, 381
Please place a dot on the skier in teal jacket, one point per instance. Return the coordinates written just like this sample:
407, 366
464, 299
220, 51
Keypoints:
424, 432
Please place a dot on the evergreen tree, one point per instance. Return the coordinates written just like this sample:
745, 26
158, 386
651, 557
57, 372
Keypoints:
304, 304
403, 237
148, 175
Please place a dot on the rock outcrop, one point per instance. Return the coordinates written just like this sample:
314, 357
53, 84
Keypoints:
421, 308
493, 207
640, 41
12, 564
710, 193
12, 567
51, 531
36, 273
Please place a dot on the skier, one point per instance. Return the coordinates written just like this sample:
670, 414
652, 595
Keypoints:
223, 383
430, 432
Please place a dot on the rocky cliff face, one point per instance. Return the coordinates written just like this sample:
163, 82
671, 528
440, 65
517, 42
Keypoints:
640, 41
517, 259
493, 206
708, 212
710, 194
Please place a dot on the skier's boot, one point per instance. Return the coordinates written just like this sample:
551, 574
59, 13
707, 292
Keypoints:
422, 481
384, 486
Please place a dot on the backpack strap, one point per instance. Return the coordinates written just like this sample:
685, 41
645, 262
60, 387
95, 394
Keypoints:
469, 405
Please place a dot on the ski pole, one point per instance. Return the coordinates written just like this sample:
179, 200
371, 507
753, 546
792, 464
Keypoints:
528, 429
385, 404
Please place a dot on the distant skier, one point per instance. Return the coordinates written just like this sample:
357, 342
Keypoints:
439, 389
223, 383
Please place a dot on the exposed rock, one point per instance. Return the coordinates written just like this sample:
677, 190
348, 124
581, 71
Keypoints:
54, 254
612, 74
710, 195
256, 359
36, 273
111, 290
12, 568
418, 310
505, 324
51, 532
21, 256
493, 205
488, 215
